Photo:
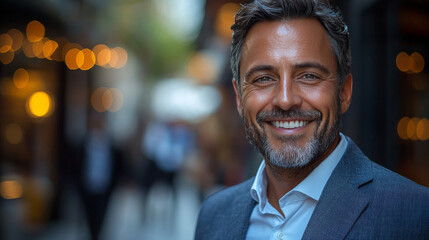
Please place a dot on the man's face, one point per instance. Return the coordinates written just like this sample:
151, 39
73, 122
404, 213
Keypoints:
290, 99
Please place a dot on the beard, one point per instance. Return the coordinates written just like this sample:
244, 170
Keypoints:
290, 154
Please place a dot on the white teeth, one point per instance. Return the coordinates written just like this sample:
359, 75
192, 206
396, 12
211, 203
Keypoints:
289, 124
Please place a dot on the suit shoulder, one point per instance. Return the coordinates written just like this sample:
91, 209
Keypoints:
229, 194
394, 187
388, 177
225, 212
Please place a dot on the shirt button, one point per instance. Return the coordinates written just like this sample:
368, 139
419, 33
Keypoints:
280, 235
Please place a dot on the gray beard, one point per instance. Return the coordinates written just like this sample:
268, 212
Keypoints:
291, 155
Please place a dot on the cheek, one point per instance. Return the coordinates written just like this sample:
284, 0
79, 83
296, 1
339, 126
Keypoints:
255, 100
323, 99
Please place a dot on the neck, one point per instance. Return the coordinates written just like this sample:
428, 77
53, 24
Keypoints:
282, 180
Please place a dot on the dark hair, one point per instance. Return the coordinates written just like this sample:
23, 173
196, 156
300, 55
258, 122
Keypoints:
269, 10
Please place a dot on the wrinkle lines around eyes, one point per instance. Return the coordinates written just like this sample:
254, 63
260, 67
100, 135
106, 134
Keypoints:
250, 90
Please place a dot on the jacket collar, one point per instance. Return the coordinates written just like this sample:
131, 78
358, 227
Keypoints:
341, 202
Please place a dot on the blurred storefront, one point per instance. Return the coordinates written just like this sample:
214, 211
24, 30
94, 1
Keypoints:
389, 113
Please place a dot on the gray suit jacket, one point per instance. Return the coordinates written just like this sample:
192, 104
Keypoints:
361, 200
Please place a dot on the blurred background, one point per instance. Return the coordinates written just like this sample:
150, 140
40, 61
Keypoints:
118, 117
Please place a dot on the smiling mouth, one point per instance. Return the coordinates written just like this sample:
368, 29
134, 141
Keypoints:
289, 124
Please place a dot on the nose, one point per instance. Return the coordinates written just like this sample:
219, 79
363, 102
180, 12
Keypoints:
286, 95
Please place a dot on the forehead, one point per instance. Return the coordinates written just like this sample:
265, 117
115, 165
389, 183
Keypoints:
301, 39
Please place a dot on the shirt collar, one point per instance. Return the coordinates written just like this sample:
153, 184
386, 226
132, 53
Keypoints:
311, 186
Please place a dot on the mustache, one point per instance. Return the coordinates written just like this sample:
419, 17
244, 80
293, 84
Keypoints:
285, 114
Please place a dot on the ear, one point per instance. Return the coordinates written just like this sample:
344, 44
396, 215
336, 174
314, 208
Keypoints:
346, 93
237, 96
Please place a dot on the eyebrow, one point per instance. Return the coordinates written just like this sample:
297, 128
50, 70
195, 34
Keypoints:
317, 65
257, 69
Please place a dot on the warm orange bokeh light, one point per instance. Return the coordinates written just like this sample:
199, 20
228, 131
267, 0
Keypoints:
122, 57
35, 31
114, 58
7, 57
403, 61
411, 128
38, 48
202, 68
21, 78
107, 99
417, 62
102, 54
10, 189
17, 38
85, 59
96, 97
104, 57
402, 128
40, 104
225, 18
49, 48
27, 48
422, 129
67, 47
70, 58
5, 43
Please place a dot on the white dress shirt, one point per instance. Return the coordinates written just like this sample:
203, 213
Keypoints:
297, 205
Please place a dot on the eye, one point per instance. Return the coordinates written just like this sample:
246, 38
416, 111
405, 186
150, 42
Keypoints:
263, 79
310, 76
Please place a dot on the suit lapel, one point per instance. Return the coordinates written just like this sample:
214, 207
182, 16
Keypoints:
238, 220
341, 202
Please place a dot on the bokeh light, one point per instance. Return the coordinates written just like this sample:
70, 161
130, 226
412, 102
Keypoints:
11, 189
48, 48
35, 31
107, 99
202, 68
119, 57
402, 128
85, 59
403, 61
38, 48
113, 58
417, 62
7, 57
422, 129
181, 99
67, 46
40, 104
411, 128
117, 100
5, 43
21, 78
225, 18
96, 101
70, 59
17, 38
27, 48
13, 133
102, 54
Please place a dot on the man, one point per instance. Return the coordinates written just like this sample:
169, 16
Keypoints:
291, 67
